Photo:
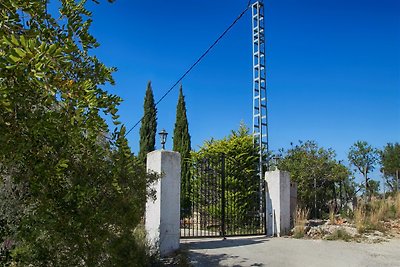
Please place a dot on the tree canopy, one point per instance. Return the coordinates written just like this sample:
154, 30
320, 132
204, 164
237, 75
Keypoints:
148, 130
242, 182
182, 145
316, 173
68, 187
390, 160
364, 158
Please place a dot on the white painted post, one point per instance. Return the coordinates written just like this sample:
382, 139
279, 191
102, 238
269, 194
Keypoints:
278, 202
162, 219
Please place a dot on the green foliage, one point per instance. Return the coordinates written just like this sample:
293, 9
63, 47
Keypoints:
316, 173
339, 234
148, 129
373, 188
68, 187
364, 157
390, 160
182, 145
346, 213
241, 177
298, 233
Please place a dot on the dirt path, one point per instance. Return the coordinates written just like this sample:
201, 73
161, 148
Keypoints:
261, 251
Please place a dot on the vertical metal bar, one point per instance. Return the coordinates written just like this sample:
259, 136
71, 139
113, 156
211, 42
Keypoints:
207, 196
218, 194
209, 193
223, 195
204, 216
254, 220
199, 195
216, 220
231, 200
192, 221
230, 222
217, 197
211, 196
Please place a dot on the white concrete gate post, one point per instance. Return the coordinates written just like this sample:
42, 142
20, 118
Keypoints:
278, 202
162, 219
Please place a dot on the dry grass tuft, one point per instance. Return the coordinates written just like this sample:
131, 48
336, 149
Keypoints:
397, 205
378, 212
373, 215
360, 218
300, 219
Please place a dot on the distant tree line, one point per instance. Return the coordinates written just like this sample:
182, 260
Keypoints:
325, 183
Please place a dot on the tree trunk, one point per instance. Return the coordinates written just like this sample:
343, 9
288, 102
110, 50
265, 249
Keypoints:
340, 195
366, 186
335, 197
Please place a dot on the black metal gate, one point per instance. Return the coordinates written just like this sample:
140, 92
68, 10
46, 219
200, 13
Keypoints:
222, 199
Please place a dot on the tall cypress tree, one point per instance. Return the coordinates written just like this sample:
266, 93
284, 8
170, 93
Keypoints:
149, 125
182, 145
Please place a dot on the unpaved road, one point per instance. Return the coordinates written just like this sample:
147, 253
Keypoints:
262, 251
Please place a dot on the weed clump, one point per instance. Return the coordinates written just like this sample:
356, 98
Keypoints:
360, 218
300, 219
372, 216
397, 205
339, 234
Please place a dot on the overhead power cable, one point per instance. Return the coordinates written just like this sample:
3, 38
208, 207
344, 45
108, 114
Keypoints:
195, 63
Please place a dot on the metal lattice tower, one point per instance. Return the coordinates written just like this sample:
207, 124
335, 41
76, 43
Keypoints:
260, 123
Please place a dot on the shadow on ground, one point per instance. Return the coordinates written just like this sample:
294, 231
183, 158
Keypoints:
200, 251
202, 260
223, 243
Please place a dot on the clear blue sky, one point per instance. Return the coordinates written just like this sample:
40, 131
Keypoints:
333, 67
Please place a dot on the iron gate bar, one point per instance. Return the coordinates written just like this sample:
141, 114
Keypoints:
223, 196
224, 200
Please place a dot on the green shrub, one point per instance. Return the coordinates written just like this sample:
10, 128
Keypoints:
346, 213
298, 232
339, 234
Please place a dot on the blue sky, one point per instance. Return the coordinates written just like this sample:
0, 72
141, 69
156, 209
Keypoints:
333, 67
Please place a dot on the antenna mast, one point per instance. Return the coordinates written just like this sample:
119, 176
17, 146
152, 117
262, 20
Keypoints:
260, 122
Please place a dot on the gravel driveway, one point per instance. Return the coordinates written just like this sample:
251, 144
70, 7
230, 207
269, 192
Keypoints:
262, 251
